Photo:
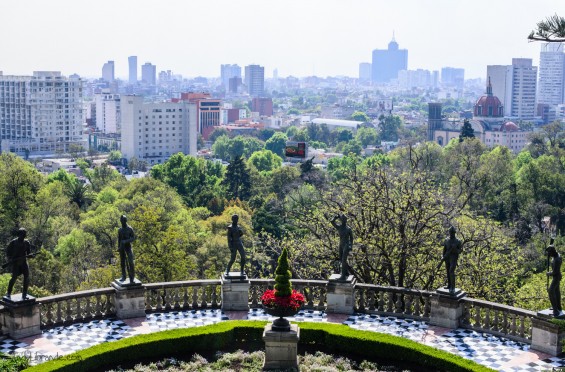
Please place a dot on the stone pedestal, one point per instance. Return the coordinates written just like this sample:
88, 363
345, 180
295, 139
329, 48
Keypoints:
281, 348
130, 299
447, 308
235, 291
340, 295
546, 336
22, 318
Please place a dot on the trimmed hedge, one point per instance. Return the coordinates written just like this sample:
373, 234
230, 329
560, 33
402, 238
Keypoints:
330, 338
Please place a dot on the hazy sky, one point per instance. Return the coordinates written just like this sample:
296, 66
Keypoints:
299, 37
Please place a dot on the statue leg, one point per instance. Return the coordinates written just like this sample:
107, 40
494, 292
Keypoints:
11, 284
447, 275
131, 271
242, 258
232, 260
123, 264
344, 267
26, 281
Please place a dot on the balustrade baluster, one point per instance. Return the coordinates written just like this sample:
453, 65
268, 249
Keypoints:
390, 303
495, 325
175, 299
214, 297
487, 319
522, 326
194, 298
79, 310
109, 305
88, 309
427, 306
381, 295
148, 300
417, 306
398, 304
372, 300
505, 322
160, 300
361, 303
69, 312
49, 316
204, 303
408, 304
185, 299
478, 321
322, 297
310, 291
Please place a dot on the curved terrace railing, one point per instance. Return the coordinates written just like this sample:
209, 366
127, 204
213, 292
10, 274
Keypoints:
479, 315
393, 301
76, 307
500, 320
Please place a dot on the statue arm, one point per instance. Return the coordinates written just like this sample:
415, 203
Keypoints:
131, 237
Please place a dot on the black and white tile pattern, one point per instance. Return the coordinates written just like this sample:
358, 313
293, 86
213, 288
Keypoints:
302, 316
183, 319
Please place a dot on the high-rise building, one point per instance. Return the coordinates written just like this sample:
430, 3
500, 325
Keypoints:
255, 80
228, 72
387, 62
108, 113
155, 131
108, 72
501, 84
551, 74
132, 63
453, 77
408, 79
40, 113
207, 111
364, 72
149, 74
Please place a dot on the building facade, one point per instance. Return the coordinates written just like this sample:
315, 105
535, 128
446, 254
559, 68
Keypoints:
41, 113
255, 80
264, 106
108, 112
364, 72
228, 72
523, 93
155, 131
453, 77
551, 89
108, 72
149, 74
388, 62
132, 64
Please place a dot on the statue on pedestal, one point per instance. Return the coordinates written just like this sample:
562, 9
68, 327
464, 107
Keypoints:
555, 273
17, 253
345, 243
235, 244
125, 237
452, 247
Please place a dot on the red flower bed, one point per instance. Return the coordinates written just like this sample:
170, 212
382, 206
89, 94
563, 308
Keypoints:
294, 301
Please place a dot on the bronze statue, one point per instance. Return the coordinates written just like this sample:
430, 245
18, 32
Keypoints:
452, 247
235, 244
553, 289
18, 251
125, 237
345, 243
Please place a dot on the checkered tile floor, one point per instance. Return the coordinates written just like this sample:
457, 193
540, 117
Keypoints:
495, 352
488, 350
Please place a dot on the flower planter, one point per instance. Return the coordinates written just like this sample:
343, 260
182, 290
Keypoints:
281, 324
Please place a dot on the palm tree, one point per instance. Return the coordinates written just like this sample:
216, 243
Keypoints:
78, 193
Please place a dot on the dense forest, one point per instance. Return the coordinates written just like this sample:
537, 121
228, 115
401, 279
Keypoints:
399, 205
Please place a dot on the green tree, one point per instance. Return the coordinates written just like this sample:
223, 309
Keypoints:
115, 155
217, 132
367, 136
265, 160
389, 127
352, 147
237, 180
277, 143
467, 131
221, 147
283, 287
360, 116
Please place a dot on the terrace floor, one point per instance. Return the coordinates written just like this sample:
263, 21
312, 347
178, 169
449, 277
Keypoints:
495, 352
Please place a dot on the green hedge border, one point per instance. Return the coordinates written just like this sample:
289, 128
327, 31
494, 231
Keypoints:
330, 338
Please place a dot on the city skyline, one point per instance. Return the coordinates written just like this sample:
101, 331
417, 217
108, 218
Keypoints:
323, 38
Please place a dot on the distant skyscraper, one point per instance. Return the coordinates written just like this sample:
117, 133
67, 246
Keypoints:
255, 80
108, 72
387, 62
453, 77
365, 71
501, 84
523, 79
149, 74
228, 72
551, 74
132, 62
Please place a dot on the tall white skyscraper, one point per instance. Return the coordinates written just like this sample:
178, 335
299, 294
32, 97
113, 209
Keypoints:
255, 80
108, 72
551, 74
40, 113
149, 74
132, 63
501, 84
155, 131
228, 72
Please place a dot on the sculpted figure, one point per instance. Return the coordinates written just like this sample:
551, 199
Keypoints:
235, 244
345, 242
451, 250
18, 251
125, 237
555, 273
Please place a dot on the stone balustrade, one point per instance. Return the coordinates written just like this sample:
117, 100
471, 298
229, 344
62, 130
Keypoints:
392, 301
500, 320
482, 316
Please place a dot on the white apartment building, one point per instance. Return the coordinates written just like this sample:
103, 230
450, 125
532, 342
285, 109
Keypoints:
108, 112
155, 131
551, 74
40, 113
